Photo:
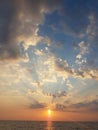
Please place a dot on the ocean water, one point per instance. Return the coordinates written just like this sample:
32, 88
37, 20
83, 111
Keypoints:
42, 125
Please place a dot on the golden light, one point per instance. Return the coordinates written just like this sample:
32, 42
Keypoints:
49, 112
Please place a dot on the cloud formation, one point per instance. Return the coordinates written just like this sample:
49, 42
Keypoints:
8, 45
37, 105
19, 23
79, 107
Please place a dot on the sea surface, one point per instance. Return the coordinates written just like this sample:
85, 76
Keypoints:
42, 125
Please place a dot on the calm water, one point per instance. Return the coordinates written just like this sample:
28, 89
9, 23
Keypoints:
41, 125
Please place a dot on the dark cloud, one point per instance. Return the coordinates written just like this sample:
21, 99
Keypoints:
56, 94
8, 49
18, 22
87, 106
90, 106
60, 107
59, 94
37, 105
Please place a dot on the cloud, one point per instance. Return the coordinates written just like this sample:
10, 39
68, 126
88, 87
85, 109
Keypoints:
87, 106
19, 23
37, 105
60, 107
87, 73
81, 21
57, 94
58, 68
92, 29
91, 106
39, 52
50, 65
8, 47
62, 68
82, 47
21, 19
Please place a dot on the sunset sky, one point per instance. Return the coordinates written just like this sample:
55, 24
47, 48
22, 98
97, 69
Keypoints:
49, 60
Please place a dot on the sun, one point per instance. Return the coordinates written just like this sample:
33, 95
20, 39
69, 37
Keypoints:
49, 112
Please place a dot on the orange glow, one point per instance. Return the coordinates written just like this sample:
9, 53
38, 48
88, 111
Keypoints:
49, 112
49, 115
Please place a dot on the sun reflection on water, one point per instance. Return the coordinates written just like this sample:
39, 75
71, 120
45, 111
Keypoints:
49, 125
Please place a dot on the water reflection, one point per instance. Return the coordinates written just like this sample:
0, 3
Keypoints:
49, 125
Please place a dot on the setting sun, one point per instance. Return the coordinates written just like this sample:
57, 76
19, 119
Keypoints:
49, 112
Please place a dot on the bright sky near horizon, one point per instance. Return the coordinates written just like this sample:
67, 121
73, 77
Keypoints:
49, 59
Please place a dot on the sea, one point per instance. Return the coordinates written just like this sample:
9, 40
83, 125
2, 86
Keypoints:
47, 125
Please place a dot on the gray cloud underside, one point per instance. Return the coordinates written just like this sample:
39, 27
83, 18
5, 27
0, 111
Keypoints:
82, 106
37, 105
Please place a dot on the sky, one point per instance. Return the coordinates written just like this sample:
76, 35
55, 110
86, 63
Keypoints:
49, 60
